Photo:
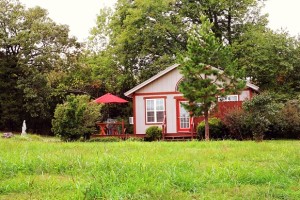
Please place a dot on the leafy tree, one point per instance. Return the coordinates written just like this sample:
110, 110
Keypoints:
142, 37
32, 49
228, 17
202, 83
75, 118
270, 59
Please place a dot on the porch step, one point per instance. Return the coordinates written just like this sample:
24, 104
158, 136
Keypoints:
179, 136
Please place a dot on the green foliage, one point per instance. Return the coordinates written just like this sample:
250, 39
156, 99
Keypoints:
140, 38
141, 43
153, 133
272, 62
265, 116
235, 122
160, 170
287, 122
229, 18
258, 124
75, 118
202, 82
32, 46
261, 112
216, 129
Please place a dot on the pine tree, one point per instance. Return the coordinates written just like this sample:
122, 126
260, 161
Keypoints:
201, 67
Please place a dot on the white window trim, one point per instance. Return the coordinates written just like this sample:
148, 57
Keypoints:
155, 111
225, 99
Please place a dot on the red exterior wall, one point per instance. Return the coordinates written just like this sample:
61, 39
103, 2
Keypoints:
221, 109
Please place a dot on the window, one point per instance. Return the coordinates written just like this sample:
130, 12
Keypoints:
155, 109
184, 116
228, 98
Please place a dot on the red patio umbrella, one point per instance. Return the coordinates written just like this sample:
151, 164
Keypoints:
110, 98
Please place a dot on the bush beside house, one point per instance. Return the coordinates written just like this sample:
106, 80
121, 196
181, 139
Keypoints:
75, 118
216, 129
153, 133
264, 117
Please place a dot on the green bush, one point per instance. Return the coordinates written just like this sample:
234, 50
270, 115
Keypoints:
265, 116
258, 124
153, 133
236, 125
287, 124
75, 118
261, 111
105, 139
216, 129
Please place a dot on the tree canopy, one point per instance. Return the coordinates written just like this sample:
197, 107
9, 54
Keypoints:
32, 49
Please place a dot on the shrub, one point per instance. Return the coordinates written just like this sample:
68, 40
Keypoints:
153, 133
265, 116
288, 122
236, 125
75, 118
262, 111
258, 124
216, 129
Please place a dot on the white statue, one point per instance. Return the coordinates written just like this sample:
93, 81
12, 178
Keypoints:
23, 128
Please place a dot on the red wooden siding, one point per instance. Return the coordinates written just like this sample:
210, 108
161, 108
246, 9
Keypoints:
225, 107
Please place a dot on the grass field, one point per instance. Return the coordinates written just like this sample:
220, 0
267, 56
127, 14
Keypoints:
35, 168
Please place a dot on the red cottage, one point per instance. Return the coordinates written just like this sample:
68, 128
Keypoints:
157, 101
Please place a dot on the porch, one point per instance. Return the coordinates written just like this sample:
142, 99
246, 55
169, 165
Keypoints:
179, 136
189, 134
111, 128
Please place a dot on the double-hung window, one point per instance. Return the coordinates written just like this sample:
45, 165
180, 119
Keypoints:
155, 109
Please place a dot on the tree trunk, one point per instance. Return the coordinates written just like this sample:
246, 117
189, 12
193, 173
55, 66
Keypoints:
206, 125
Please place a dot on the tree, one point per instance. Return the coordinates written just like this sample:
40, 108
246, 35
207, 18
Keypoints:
143, 40
271, 59
32, 49
143, 37
227, 16
202, 83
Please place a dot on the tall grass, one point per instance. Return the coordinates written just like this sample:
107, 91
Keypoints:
47, 169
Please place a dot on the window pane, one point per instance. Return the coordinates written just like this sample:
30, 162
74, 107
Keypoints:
160, 116
155, 110
150, 104
160, 104
232, 98
184, 117
150, 117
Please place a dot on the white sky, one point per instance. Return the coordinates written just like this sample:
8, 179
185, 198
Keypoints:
80, 15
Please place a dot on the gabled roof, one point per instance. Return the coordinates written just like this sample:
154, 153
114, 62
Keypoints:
153, 78
162, 73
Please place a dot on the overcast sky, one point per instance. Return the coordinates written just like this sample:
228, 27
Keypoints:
80, 15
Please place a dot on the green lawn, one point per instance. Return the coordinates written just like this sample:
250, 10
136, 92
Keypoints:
48, 169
